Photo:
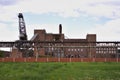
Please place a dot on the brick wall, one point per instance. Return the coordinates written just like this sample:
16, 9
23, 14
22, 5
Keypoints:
59, 59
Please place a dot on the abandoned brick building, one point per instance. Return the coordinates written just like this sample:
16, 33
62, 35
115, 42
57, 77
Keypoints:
72, 48
41, 35
44, 44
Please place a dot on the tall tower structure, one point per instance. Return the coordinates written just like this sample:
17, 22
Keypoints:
22, 28
60, 28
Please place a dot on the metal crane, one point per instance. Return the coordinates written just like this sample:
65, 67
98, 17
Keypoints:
26, 50
22, 27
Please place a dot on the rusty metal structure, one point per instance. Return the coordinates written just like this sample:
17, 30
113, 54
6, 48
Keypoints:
43, 44
59, 49
22, 27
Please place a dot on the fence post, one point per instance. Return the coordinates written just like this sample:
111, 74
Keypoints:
93, 59
81, 59
70, 59
24, 59
36, 59
47, 59
13, 59
105, 60
58, 59
117, 59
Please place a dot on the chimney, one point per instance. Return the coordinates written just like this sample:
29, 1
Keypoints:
60, 28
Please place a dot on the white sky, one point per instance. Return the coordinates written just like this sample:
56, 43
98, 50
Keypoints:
78, 17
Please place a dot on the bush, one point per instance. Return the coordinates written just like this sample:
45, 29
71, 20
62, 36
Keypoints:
2, 54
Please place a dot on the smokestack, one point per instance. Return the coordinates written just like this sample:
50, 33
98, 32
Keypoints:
60, 28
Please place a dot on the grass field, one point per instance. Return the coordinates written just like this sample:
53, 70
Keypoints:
60, 71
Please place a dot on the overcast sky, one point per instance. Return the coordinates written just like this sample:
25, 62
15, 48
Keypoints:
78, 18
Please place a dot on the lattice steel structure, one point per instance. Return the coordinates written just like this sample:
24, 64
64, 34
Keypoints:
22, 27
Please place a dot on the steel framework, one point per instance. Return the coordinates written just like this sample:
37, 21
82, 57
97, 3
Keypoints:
61, 44
22, 27
60, 48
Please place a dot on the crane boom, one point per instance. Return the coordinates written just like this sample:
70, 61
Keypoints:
22, 27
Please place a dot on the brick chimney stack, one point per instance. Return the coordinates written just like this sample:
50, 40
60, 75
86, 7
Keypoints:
60, 28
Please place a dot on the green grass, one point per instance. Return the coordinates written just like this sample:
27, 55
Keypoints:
60, 71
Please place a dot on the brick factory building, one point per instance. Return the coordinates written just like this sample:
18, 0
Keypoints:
41, 35
72, 48
44, 44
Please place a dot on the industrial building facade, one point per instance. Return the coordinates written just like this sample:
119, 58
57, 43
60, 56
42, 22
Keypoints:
44, 44
73, 48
